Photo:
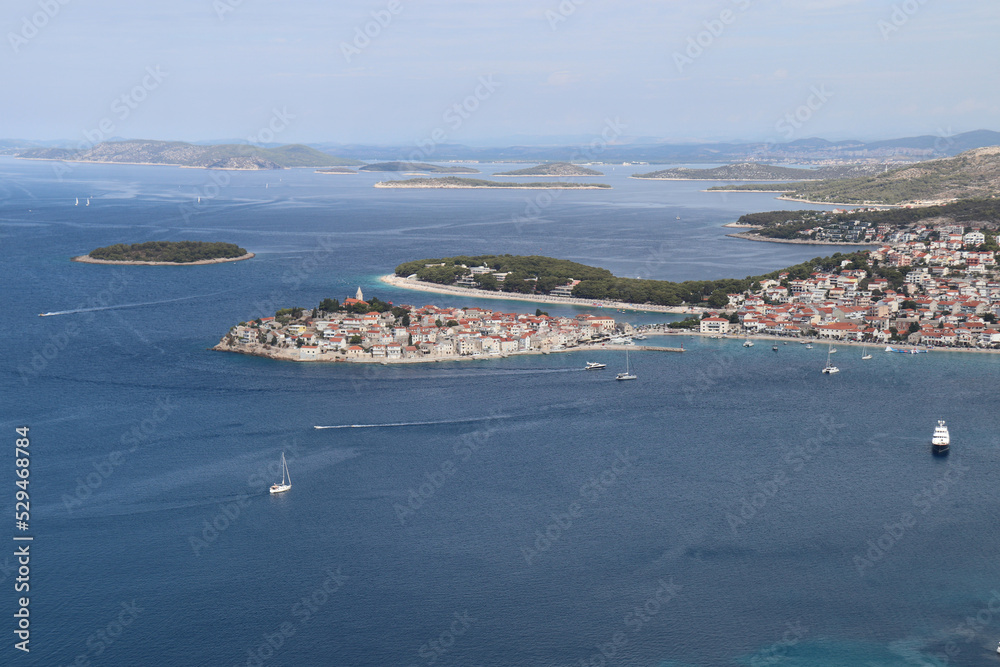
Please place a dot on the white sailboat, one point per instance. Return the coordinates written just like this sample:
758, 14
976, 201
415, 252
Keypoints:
865, 356
829, 369
88, 202
627, 375
77, 202
748, 342
284, 485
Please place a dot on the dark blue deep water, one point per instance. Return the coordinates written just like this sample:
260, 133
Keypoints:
731, 507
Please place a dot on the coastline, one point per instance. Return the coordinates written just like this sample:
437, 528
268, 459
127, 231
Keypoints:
876, 347
384, 184
406, 283
748, 236
87, 259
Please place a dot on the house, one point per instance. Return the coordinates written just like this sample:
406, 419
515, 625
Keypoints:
715, 325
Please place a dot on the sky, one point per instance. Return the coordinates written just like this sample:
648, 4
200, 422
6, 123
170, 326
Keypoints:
496, 72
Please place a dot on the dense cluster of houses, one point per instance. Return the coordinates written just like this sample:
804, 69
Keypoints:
427, 332
951, 297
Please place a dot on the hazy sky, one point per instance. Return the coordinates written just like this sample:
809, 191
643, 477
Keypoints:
304, 70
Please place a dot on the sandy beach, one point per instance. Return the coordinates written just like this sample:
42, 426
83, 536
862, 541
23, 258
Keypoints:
749, 236
405, 283
87, 259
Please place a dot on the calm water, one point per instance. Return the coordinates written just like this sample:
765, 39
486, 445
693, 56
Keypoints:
717, 511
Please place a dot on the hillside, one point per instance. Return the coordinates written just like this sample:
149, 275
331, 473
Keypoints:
973, 174
455, 182
752, 171
223, 156
552, 169
417, 166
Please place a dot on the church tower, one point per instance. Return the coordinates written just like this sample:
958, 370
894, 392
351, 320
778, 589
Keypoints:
359, 296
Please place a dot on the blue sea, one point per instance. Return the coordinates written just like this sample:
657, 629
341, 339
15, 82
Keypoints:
730, 507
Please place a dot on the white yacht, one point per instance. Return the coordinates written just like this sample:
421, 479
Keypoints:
286, 479
941, 440
594, 366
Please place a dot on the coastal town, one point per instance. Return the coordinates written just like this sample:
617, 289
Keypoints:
356, 330
949, 297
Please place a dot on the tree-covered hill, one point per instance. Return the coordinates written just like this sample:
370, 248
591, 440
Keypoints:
180, 252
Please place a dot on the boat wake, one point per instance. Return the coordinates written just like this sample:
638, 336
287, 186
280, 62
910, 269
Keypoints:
429, 423
126, 305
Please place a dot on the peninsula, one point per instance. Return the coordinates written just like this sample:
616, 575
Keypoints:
474, 183
933, 285
415, 167
166, 253
972, 174
753, 171
178, 153
552, 169
357, 330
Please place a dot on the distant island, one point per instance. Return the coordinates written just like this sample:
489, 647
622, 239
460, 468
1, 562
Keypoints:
552, 169
455, 182
753, 171
171, 253
336, 170
178, 153
417, 167
973, 174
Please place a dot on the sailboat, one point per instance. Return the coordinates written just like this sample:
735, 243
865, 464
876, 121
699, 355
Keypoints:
865, 356
748, 342
627, 375
284, 485
77, 202
88, 202
829, 369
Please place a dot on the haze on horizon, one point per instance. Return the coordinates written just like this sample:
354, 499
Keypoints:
481, 72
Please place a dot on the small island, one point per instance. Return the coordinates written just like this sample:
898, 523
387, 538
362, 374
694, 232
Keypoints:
336, 170
415, 167
753, 171
166, 253
455, 182
552, 169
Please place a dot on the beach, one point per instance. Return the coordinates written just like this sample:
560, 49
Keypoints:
420, 286
87, 259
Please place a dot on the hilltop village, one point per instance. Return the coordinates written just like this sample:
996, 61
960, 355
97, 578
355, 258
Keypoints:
358, 330
948, 296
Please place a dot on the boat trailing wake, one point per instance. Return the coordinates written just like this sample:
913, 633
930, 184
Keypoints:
431, 423
126, 305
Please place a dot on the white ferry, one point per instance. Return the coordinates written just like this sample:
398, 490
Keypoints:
941, 440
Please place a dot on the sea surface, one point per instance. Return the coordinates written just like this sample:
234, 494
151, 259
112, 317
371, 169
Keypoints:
732, 506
